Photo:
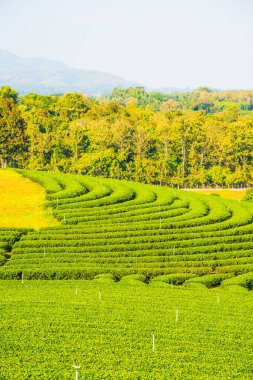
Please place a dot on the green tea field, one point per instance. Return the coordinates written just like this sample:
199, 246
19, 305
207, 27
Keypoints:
128, 281
123, 228
106, 328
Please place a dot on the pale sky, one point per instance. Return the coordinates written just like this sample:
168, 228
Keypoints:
158, 43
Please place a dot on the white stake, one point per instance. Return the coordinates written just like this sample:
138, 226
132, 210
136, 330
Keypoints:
176, 314
44, 252
57, 202
153, 341
99, 295
22, 278
76, 291
77, 367
64, 219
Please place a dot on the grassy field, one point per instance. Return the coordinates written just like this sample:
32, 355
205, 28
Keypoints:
237, 194
22, 202
106, 328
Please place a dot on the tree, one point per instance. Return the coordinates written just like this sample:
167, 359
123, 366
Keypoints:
8, 93
12, 131
72, 106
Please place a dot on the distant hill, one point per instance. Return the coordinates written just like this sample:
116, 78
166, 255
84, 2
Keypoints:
45, 76
168, 90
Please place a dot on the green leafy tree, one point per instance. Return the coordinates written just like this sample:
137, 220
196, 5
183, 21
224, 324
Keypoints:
12, 131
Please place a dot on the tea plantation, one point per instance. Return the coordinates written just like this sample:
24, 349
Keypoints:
106, 329
123, 228
134, 245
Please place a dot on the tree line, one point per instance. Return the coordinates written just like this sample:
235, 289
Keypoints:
121, 138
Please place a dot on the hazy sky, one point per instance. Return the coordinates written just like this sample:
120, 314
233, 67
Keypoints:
159, 43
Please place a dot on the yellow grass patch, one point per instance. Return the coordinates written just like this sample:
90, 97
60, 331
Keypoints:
224, 193
22, 202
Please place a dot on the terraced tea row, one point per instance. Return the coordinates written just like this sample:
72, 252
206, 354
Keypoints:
120, 227
8, 237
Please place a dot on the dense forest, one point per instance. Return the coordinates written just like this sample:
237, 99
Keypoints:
191, 139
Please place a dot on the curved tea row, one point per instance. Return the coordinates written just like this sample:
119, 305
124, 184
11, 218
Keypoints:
124, 228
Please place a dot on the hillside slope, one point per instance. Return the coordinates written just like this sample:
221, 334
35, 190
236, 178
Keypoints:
22, 202
125, 228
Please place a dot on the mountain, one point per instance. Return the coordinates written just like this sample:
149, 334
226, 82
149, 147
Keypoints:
46, 76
